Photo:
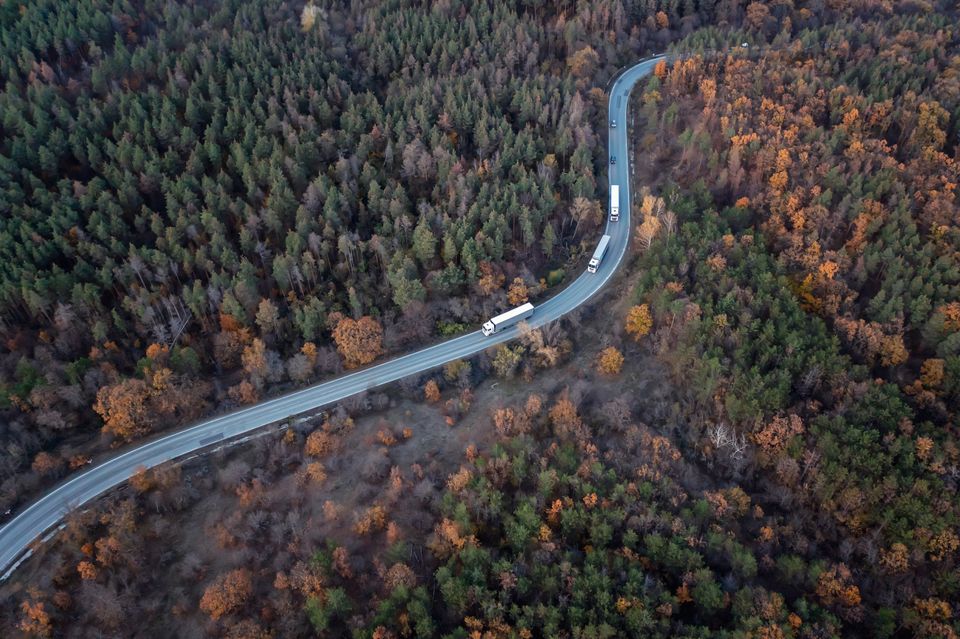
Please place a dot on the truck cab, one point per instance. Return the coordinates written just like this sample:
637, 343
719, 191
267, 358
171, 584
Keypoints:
598, 254
507, 319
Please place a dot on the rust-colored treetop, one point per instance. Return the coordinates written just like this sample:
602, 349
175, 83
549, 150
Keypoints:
359, 341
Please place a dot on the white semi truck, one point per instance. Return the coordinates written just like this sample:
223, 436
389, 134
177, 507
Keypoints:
505, 320
598, 254
614, 202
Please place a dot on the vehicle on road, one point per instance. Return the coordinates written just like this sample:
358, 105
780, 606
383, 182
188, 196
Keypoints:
613, 124
598, 254
505, 320
613, 159
614, 202
17, 536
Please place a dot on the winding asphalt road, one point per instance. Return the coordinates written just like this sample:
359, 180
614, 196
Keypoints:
45, 513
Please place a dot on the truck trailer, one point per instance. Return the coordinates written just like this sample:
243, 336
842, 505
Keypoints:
614, 202
508, 319
598, 254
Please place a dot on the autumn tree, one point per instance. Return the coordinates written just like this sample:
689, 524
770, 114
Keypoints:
518, 293
491, 278
261, 363
359, 341
639, 321
45, 464
123, 407
565, 418
757, 15
320, 443
268, 317
834, 587
431, 392
227, 594
610, 361
87, 570
583, 62
506, 360
35, 620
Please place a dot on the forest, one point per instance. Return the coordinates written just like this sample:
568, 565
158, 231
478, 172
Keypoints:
801, 269
752, 434
213, 201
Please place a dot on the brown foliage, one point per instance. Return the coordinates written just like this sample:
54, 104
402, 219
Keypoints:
518, 293
123, 408
320, 443
312, 473
400, 574
584, 62
491, 278
566, 422
45, 464
373, 520
943, 545
78, 461
158, 353
757, 14
35, 620
610, 361
87, 570
834, 587
386, 437
141, 480
639, 321
459, 480
896, 560
341, 562
660, 69
431, 392
509, 423
247, 628
533, 406
447, 538
255, 362
131, 407
359, 341
109, 551
244, 393
775, 435
227, 594
227, 347
308, 579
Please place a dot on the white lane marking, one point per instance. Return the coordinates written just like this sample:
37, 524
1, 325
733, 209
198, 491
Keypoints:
151, 453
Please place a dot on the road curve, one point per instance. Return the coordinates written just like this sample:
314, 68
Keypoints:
47, 511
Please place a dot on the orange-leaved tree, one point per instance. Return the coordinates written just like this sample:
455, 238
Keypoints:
610, 361
639, 321
123, 408
518, 293
431, 392
359, 341
227, 594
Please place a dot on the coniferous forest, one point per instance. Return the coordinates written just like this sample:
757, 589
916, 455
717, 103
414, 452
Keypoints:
754, 436
203, 191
